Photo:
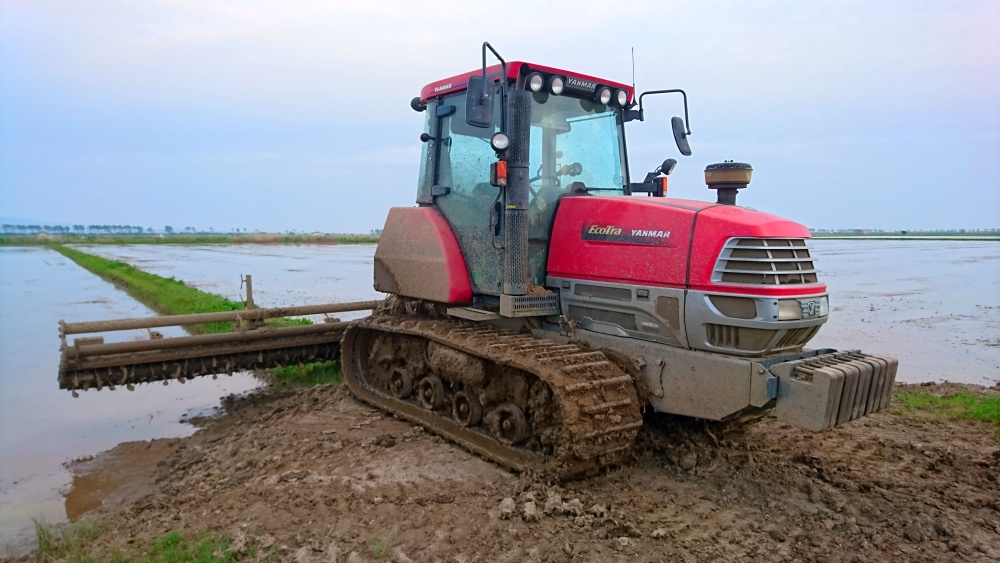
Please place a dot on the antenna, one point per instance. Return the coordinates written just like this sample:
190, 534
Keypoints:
633, 69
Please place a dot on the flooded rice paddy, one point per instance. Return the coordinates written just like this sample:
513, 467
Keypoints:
933, 304
283, 275
42, 427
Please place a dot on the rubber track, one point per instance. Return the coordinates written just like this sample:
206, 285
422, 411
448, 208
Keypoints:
597, 401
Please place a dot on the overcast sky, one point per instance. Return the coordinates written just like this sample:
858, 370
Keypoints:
295, 115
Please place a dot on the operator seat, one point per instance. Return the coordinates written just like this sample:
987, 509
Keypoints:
544, 205
548, 197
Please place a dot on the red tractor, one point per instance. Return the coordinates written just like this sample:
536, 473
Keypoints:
540, 300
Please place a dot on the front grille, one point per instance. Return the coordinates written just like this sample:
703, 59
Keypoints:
756, 340
738, 338
723, 336
765, 261
797, 337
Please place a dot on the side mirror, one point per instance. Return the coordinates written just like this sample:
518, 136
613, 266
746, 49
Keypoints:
479, 102
680, 137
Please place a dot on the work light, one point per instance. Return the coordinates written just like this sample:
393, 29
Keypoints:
535, 81
556, 85
603, 95
621, 96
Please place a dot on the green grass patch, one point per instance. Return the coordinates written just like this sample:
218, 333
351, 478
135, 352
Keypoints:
308, 375
962, 405
76, 543
45, 543
283, 322
379, 549
175, 548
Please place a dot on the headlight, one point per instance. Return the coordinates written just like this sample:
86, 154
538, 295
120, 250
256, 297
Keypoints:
499, 142
535, 81
621, 96
556, 85
789, 310
603, 95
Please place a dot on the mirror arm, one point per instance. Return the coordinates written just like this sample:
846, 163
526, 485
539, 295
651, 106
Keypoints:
687, 122
503, 83
503, 63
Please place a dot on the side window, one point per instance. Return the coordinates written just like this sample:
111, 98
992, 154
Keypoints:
465, 151
426, 179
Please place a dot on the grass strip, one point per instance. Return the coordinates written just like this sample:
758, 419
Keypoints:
255, 238
962, 405
170, 296
166, 296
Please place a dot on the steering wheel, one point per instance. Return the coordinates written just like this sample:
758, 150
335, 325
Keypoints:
571, 170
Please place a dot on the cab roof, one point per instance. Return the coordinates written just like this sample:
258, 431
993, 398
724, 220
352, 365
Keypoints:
460, 82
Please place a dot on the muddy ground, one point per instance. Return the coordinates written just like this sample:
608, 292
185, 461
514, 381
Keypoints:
314, 475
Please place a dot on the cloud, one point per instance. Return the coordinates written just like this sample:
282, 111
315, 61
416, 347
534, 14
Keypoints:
122, 93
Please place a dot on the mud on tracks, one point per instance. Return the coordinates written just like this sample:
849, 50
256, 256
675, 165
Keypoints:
315, 475
583, 407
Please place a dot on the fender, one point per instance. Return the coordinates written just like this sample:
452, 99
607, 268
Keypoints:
418, 256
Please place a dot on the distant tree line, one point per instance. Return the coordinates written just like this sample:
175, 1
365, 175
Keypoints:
11, 229
909, 231
74, 229
97, 230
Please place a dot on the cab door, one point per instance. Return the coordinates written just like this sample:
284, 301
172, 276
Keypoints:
471, 205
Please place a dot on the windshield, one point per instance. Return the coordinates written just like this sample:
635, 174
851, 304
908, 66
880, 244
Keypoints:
574, 140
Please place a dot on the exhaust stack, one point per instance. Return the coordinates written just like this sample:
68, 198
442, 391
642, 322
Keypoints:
727, 178
515, 258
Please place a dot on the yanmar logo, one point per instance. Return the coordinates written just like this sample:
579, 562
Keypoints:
442, 88
582, 84
616, 234
651, 234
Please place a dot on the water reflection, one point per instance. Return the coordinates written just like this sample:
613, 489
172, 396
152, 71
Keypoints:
935, 305
42, 427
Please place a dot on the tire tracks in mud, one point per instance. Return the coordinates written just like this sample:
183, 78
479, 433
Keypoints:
315, 475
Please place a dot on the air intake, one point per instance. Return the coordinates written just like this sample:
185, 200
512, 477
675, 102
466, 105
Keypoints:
765, 261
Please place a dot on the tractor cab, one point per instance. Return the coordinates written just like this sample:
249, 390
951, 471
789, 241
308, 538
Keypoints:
576, 147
